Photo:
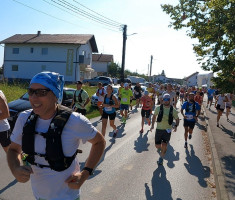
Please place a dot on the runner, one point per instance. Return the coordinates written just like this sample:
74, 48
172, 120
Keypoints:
137, 94
171, 93
109, 110
190, 117
100, 93
80, 99
146, 110
165, 113
182, 91
210, 94
220, 105
126, 95
4, 125
131, 98
119, 91
198, 99
159, 93
230, 97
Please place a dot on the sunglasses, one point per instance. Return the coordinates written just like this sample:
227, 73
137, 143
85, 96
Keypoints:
38, 92
166, 99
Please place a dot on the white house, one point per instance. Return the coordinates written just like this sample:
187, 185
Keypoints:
191, 80
204, 79
68, 54
100, 63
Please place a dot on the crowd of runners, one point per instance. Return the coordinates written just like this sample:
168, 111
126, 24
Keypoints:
54, 153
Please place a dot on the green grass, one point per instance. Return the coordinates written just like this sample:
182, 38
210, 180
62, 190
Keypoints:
16, 90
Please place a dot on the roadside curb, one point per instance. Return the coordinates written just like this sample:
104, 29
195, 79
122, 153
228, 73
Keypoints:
221, 191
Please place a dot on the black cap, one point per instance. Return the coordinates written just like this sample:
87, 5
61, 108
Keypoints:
79, 82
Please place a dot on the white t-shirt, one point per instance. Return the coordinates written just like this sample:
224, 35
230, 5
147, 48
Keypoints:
4, 125
46, 183
221, 101
100, 97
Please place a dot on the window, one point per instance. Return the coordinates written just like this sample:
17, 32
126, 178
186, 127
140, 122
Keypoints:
44, 51
44, 67
14, 68
15, 50
31, 50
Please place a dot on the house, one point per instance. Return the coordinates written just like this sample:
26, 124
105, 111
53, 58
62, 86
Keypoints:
191, 80
100, 63
160, 78
204, 80
69, 54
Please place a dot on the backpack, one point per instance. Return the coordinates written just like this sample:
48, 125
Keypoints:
194, 107
79, 99
110, 99
160, 115
54, 150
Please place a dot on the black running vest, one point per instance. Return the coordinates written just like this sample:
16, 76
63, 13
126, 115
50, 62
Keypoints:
160, 115
54, 150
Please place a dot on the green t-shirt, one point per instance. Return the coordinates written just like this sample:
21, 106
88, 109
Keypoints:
126, 96
84, 96
164, 123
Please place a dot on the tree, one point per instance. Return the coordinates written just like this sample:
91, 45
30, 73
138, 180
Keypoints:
212, 23
114, 69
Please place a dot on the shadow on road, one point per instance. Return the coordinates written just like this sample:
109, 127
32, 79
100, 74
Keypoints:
229, 163
195, 167
161, 187
8, 186
141, 143
171, 156
227, 131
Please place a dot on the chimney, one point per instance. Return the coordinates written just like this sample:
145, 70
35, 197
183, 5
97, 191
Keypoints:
39, 33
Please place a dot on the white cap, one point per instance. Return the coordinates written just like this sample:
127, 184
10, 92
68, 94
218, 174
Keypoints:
167, 96
126, 85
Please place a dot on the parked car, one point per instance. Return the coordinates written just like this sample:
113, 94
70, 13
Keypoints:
22, 104
126, 80
94, 81
94, 98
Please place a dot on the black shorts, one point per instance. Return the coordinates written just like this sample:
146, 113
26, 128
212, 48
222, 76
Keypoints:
82, 111
162, 136
189, 124
110, 116
138, 96
5, 138
145, 113
218, 108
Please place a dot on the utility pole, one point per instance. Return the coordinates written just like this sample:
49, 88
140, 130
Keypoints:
151, 61
123, 53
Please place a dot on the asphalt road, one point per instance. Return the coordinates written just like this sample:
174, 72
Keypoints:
129, 170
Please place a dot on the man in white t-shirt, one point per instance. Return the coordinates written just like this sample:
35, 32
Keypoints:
171, 93
4, 125
52, 177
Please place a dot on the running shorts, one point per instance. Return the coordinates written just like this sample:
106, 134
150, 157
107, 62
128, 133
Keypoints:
219, 108
145, 113
111, 116
124, 107
189, 124
162, 136
5, 138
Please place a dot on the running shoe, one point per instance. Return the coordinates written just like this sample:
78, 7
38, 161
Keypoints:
227, 119
115, 133
122, 119
141, 131
160, 161
186, 145
190, 136
217, 125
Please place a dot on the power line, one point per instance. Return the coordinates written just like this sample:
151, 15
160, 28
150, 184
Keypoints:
96, 12
79, 11
75, 15
44, 12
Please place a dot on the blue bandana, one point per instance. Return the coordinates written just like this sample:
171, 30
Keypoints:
52, 80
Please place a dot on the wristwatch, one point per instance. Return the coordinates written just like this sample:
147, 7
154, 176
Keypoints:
90, 170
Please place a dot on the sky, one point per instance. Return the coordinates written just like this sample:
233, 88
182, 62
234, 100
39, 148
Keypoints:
147, 30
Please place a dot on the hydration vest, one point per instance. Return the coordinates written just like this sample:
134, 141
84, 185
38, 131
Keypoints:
54, 151
160, 115
110, 99
194, 107
79, 99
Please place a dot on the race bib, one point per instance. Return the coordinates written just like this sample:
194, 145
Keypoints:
189, 116
108, 109
124, 99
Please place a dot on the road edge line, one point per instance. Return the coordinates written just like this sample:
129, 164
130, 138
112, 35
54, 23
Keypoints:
221, 192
